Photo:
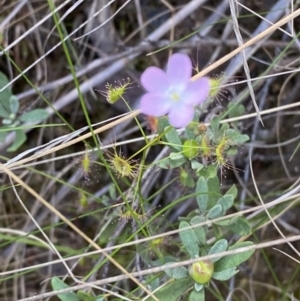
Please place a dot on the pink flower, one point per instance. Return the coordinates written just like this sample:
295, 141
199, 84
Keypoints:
172, 92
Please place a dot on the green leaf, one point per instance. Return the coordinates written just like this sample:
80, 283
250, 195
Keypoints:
3, 112
189, 239
190, 149
198, 287
176, 156
81, 295
232, 151
34, 116
240, 139
173, 290
57, 285
236, 137
172, 162
208, 172
226, 202
202, 197
191, 131
232, 191
237, 224
20, 138
197, 296
220, 246
177, 273
186, 178
235, 110
199, 231
195, 165
215, 212
14, 104
214, 124
232, 261
213, 184
163, 122
5, 94
173, 138
225, 275
240, 225
3, 135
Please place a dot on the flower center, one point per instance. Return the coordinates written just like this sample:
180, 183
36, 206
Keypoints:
175, 96
174, 93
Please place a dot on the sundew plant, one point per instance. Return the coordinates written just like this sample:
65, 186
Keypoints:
149, 150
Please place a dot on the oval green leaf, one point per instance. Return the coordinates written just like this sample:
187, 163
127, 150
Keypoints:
57, 285
189, 239
202, 197
20, 138
34, 116
232, 261
220, 246
225, 275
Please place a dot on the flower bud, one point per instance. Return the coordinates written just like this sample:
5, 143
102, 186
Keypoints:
190, 149
201, 271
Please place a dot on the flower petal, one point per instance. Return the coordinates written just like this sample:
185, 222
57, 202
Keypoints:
181, 117
154, 79
179, 69
196, 92
154, 104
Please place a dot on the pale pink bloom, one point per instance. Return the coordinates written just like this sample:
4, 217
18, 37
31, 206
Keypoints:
172, 92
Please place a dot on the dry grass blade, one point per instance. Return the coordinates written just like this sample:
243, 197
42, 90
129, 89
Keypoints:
268, 31
239, 38
76, 229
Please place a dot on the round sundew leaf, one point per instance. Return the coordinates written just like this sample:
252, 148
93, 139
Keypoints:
154, 104
155, 80
179, 69
190, 149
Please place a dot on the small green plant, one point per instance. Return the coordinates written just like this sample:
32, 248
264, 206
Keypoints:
12, 120
200, 154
